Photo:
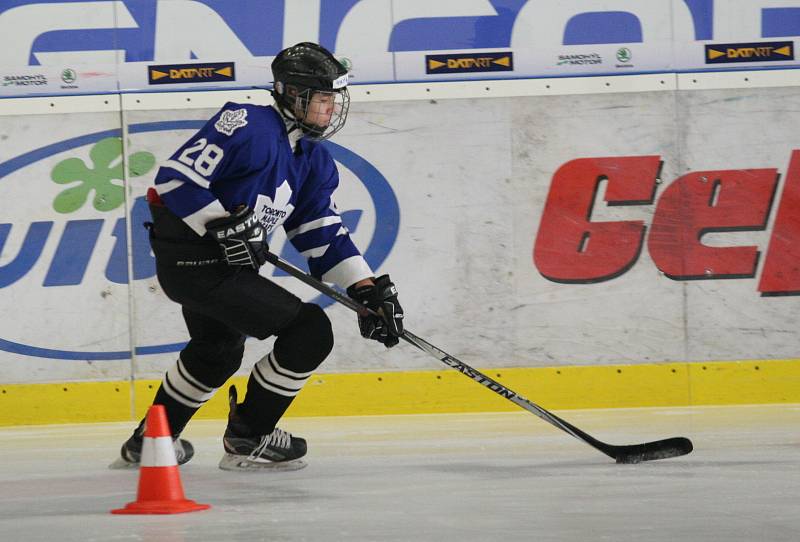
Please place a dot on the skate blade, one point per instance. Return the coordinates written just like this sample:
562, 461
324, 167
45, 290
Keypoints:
242, 464
122, 464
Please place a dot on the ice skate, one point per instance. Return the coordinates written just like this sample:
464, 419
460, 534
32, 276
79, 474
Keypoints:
276, 451
131, 451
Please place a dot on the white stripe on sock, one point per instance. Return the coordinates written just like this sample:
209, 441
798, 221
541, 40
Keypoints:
184, 388
267, 370
192, 380
269, 387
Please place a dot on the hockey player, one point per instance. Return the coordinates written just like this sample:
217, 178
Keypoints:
249, 170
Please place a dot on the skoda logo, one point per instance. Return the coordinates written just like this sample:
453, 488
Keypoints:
69, 76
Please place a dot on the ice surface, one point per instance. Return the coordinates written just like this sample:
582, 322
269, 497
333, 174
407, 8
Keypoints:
460, 477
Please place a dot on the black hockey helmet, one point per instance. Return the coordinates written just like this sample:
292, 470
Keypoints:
310, 88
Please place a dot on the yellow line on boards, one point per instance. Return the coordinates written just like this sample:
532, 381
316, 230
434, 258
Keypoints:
421, 392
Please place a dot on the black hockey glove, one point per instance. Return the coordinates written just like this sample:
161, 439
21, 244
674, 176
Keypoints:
381, 298
241, 238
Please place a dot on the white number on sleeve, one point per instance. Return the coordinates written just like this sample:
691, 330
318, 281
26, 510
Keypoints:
208, 159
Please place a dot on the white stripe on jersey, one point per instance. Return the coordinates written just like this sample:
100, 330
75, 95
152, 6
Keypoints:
198, 220
188, 172
313, 225
168, 186
315, 252
348, 272
320, 251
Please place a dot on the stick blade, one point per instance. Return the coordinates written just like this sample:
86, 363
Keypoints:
650, 451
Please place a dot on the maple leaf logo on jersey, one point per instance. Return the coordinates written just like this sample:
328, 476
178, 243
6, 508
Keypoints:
230, 121
274, 213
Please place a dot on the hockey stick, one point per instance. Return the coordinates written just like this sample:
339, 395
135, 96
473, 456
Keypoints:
632, 453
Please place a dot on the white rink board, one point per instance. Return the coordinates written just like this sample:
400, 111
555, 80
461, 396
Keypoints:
470, 178
62, 292
474, 218
386, 41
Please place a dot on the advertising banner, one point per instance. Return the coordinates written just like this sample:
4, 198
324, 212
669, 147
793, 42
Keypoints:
686, 227
63, 251
538, 231
67, 47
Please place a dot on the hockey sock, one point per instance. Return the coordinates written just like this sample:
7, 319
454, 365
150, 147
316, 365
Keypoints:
279, 376
181, 394
270, 391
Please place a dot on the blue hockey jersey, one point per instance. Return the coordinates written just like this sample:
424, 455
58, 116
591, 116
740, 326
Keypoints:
243, 155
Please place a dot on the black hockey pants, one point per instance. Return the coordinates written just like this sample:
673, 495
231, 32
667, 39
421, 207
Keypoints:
222, 305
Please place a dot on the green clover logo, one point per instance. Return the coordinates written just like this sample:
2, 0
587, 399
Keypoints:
106, 158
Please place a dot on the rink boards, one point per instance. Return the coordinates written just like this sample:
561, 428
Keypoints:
426, 392
642, 224
179, 44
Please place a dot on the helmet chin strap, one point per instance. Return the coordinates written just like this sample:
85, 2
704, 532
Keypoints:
293, 127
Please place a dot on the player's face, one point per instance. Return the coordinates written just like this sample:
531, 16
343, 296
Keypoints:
320, 109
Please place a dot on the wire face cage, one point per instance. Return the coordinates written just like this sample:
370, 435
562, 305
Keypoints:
321, 113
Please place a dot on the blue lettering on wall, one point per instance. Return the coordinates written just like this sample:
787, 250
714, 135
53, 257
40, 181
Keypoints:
144, 264
603, 27
780, 22
703, 15
74, 250
443, 33
138, 43
257, 23
117, 268
331, 16
28, 254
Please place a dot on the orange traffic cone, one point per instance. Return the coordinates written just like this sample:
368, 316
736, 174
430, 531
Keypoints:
160, 490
